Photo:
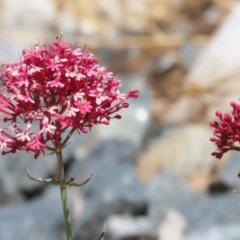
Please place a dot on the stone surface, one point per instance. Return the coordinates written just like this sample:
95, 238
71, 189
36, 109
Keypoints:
127, 227
169, 190
113, 189
28, 15
172, 227
229, 172
187, 108
40, 219
225, 59
186, 149
212, 211
218, 232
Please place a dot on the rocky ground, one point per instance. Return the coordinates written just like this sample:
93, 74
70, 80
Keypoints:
153, 173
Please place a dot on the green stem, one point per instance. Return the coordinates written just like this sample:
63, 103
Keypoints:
63, 190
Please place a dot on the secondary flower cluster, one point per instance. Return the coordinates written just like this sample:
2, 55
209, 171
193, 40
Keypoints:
227, 131
59, 87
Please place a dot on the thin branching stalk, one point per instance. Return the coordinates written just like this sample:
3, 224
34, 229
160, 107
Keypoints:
63, 190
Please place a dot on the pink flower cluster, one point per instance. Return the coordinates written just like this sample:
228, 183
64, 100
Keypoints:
60, 88
227, 131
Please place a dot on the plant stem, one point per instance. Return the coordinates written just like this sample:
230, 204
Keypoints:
63, 190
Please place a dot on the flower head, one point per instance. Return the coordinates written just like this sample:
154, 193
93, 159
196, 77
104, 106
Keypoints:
227, 131
60, 88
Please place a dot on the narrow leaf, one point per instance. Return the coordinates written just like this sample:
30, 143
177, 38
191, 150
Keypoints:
101, 237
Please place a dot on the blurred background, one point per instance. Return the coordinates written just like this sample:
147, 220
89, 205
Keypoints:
153, 174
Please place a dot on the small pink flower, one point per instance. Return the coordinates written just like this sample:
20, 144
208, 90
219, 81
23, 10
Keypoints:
23, 135
46, 126
58, 88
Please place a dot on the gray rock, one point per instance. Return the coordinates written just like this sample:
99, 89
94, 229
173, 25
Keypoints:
40, 219
212, 211
217, 232
229, 172
187, 155
202, 213
225, 59
189, 52
130, 227
113, 189
169, 190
